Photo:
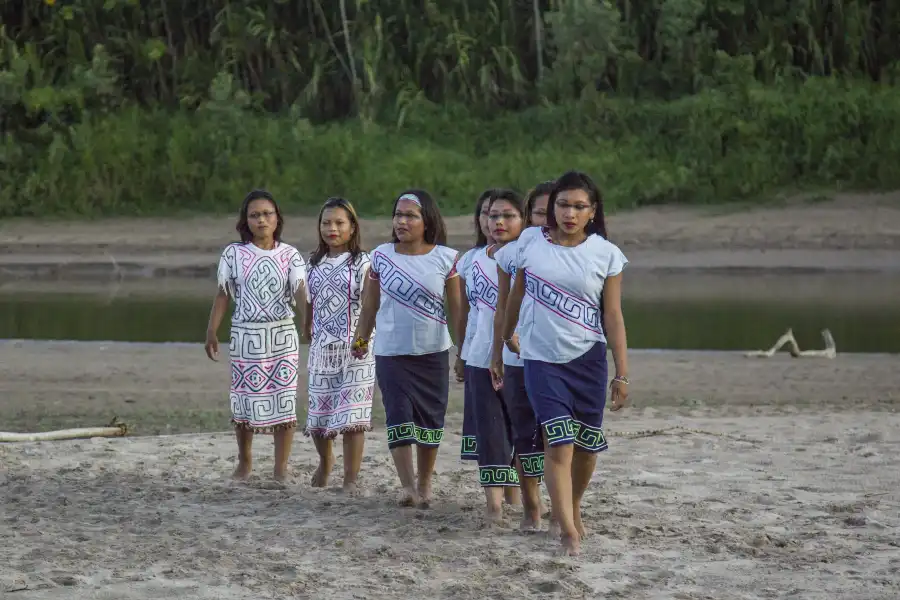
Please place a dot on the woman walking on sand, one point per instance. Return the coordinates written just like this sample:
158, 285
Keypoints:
340, 387
568, 275
414, 273
466, 327
507, 217
496, 466
265, 277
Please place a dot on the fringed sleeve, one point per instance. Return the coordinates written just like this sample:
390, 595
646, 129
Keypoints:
225, 275
296, 275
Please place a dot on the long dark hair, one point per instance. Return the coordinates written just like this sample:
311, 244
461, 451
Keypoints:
354, 246
243, 228
511, 196
576, 180
435, 229
542, 189
480, 238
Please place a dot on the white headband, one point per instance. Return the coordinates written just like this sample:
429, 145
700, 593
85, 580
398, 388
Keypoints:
411, 198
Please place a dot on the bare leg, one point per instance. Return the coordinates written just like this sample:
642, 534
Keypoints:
493, 510
512, 496
403, 462
558, 475
426, 456
284, 438
326, 461
531, 500
353, 452
583, 464
245, 453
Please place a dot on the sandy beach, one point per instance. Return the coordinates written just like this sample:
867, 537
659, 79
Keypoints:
791, 489
729, 478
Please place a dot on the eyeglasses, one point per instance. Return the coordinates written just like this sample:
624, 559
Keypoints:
504, 216
265, 214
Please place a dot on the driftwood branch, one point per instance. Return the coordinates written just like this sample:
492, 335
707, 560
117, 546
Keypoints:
830, 350
114, 429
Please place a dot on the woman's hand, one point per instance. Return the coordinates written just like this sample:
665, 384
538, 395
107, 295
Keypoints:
459, 368
212, 345
513, 344
497, 374
360, 348
619, 393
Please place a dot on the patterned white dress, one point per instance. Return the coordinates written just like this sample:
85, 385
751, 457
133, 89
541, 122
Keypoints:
264, 344
341, 387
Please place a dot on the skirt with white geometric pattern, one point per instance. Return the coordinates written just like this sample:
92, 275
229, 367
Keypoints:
264, 362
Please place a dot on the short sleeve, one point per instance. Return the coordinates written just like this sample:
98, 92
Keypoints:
225, 272
373, 267
297, 272
453, 272
517, 261
617, 261
505, 258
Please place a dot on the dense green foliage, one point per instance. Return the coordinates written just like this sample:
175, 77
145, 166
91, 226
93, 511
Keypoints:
127, 107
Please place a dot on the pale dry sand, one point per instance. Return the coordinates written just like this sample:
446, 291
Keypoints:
797, 497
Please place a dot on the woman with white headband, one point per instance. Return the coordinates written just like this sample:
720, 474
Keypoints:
414, 272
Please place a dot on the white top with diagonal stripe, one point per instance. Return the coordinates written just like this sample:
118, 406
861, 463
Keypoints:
560, 316
481, 287
412, 318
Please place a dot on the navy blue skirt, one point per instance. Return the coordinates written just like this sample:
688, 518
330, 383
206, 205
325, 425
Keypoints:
468, 446
414, 391
569, 399
526, 433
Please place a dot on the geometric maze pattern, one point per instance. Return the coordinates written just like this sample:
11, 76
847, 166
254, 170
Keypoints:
341, 388
261, 282
566, 430
562, 303
264, 363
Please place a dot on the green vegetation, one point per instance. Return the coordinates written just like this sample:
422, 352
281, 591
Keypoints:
124, 107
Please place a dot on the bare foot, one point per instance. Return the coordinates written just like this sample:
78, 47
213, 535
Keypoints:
579, 526
554, 530
493, 515
351, 488
530, 523
242, 471
571, 545
408, 497
280, 475
424, 496
322, 472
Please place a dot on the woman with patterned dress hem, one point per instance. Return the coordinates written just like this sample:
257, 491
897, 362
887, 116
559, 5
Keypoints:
568, 290
507, 215
466, 328
265, 278
416, 296
340, 386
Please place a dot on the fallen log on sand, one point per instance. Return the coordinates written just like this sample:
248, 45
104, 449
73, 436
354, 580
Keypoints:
830, 350
114, 429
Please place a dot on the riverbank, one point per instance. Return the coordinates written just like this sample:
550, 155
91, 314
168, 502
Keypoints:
851, 232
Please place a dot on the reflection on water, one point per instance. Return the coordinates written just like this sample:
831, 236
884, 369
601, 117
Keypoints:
666, 318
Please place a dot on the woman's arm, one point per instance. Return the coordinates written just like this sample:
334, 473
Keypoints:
308, 322
452, 287
503, 285
513, 306
216, 314
371, 299
614, 326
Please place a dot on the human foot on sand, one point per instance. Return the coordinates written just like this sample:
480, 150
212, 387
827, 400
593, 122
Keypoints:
242, 471
579, 525
351, 488
571, 545
425, 498
408, 497
322, 472
530, 523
